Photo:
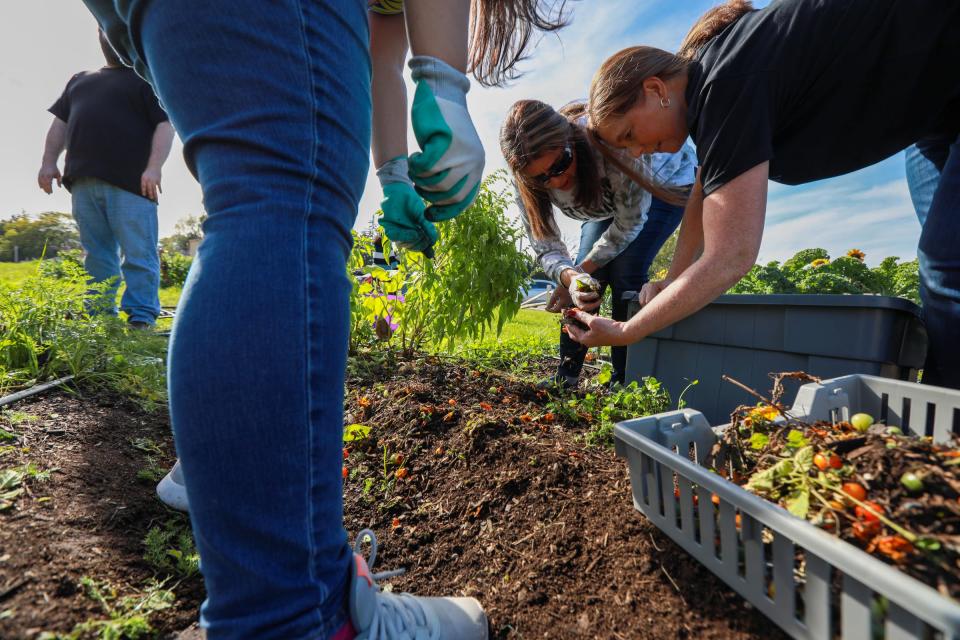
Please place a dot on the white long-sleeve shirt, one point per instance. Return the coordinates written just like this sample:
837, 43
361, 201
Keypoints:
621, 199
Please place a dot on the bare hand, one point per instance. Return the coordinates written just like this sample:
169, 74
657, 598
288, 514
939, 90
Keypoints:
600, 331
150, 184
652, 289
46, 177
559, 300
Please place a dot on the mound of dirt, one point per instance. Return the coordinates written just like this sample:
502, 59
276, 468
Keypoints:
473, 486
498, 499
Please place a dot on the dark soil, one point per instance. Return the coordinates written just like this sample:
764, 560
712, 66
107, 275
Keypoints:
503, 504
498, 502
88, 519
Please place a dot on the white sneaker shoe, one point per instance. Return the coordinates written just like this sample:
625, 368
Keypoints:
172, 491
378, 615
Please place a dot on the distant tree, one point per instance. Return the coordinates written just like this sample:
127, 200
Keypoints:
186, 229
29, 237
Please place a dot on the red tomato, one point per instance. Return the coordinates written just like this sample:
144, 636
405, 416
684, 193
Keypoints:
865, 514
866, 531
854, 490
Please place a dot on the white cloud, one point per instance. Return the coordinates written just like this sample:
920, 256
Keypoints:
839, 215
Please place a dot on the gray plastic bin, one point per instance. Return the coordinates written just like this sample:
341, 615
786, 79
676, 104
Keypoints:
920, 410
760, 561
750, 336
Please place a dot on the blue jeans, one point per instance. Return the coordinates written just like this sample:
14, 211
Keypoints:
272, 101
115, 223
940, 263
627, 272
924, 164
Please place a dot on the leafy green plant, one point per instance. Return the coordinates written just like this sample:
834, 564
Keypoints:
603, 409
174, 267
128, 617
170, 549
472, 284
13, 479
48, 329
813, 271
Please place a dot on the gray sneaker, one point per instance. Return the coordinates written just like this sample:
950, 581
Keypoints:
172, 491
379, 615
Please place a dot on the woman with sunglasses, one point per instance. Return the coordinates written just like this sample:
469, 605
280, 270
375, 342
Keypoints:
628, 211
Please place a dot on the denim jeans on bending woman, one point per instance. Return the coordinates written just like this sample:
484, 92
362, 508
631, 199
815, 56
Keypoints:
939, 257
626, 272
272, 101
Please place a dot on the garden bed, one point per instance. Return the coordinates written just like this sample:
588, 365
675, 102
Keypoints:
498, 501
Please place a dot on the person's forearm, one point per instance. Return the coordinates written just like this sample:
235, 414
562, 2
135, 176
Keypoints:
160, 146
55, 142
690, 239
388, 51
695, 288
732, 227
438, 28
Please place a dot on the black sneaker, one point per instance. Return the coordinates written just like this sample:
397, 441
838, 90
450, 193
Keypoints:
137, 325
559, 382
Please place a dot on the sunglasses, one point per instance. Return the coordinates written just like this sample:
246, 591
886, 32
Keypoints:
558, 168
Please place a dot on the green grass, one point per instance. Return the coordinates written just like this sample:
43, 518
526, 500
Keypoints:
13, 273
528, 324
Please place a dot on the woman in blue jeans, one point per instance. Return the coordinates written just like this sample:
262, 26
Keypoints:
272, 102
554, 164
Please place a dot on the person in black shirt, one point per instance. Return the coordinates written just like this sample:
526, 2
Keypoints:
117, 138
795, 92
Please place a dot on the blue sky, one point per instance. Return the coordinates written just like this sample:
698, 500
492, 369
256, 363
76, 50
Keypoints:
43, 42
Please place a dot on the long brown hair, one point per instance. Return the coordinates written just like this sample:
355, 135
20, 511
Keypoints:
615, 88
500, 31
533, 128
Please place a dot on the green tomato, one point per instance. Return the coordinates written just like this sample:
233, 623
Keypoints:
894, 431
861, 422
911, 481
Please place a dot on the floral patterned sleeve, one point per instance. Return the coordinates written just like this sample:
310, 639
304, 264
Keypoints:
551, 252
631, 204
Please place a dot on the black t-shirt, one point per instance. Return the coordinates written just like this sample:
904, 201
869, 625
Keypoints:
823, 87
111, 115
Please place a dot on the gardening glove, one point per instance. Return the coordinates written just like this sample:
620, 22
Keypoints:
585, 291
403, 210
449, 168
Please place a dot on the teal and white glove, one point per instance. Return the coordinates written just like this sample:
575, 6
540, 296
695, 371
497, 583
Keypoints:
449, 167
403, 217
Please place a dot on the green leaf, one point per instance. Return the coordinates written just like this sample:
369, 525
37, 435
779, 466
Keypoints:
795, 440
799, 503
606, 373
803, 459
355, 432
927, 544
759, 440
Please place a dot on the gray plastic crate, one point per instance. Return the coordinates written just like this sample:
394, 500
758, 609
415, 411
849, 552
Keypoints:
921, 410
749, 336
667, 455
